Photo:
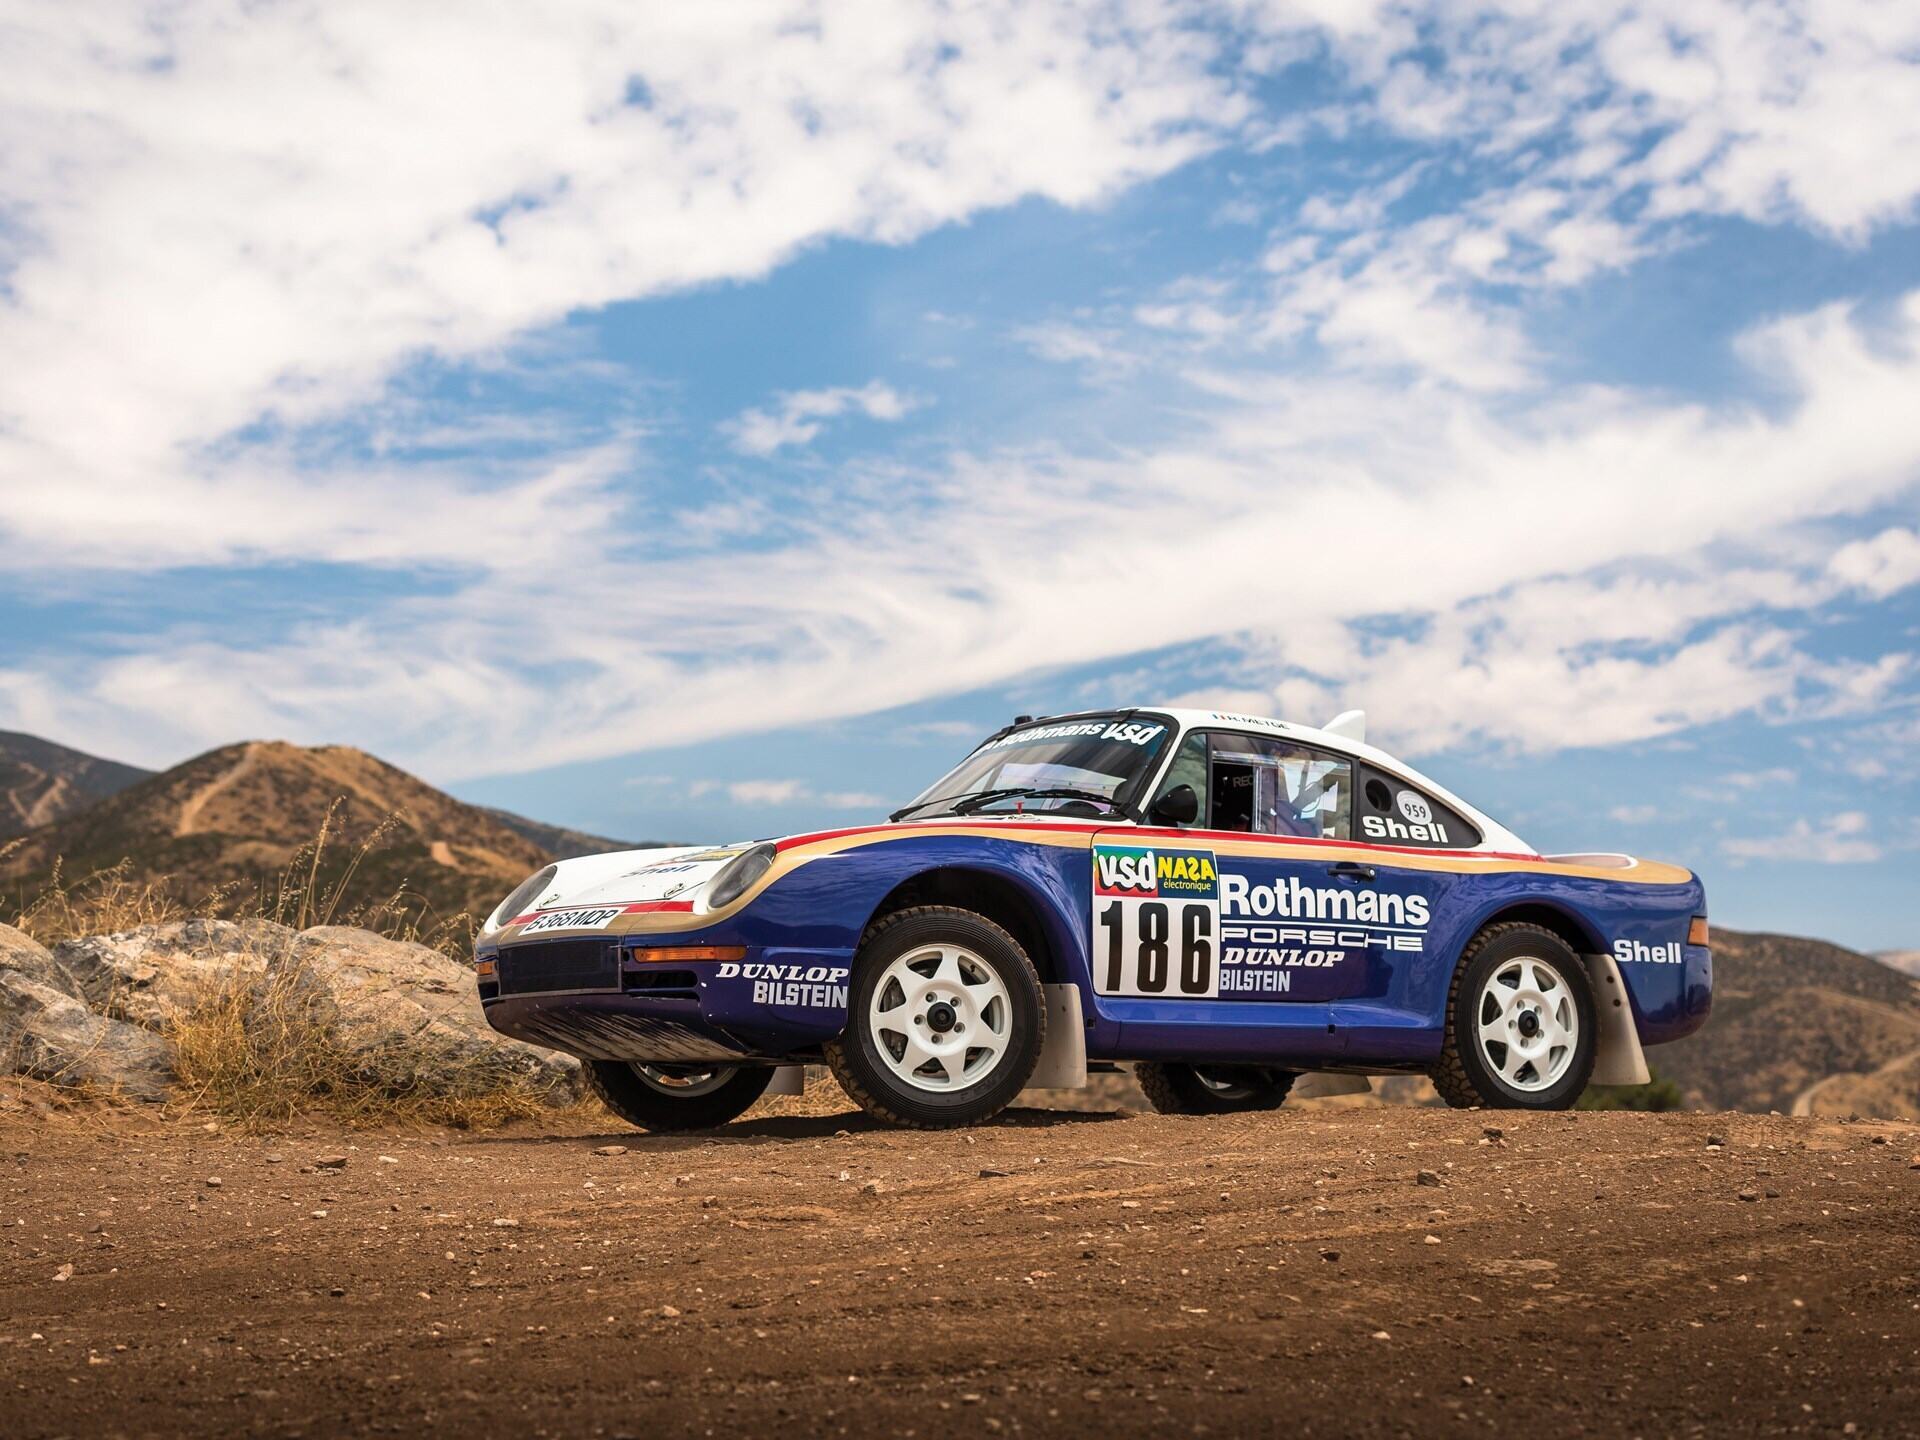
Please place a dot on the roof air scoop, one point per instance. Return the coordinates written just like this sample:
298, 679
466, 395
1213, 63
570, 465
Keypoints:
1349, 725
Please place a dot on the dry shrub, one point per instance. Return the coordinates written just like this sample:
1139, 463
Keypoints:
103, 903
306, 892
261, 1050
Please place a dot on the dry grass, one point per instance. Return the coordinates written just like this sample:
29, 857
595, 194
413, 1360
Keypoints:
306, 892
263, 1049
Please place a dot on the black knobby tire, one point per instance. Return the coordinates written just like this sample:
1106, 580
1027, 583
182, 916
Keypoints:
854, 1055
1462, 1076
628, 1095
1177, 1089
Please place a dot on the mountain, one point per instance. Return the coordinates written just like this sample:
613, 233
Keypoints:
1907, 962
239, 816
1801, 1024
41, 782
558, 841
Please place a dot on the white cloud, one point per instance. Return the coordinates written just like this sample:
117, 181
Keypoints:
1841, 839
785, 792
1554, 576
225, 230
221, 218
1634, 814
1101, 349
1882, 565
799, 415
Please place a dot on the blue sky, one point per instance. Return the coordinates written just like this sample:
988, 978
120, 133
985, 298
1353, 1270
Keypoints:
704, 425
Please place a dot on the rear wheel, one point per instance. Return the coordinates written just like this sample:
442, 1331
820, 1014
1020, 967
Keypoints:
945, 1020
1212, 1089
676, 1097
1521, 1029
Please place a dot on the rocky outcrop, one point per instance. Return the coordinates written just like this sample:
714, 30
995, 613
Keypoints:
49, 1033
100, 1010
153, 974
408, 1004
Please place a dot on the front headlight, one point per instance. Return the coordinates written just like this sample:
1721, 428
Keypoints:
524, 895
738, 875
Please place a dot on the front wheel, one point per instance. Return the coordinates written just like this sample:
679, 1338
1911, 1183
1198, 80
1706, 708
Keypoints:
945, 1020
676, 1097
1522, 1033
1212, 1089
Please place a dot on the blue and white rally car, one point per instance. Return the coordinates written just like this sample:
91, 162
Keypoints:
1227, 902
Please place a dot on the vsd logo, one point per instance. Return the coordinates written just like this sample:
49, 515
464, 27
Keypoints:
1124, 872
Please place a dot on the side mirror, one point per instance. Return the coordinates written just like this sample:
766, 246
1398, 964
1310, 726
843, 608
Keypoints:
1179, 806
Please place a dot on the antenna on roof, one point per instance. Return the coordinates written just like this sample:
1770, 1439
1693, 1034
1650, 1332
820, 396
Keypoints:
1349, 725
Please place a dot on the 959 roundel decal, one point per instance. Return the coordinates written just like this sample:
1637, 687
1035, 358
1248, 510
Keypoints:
1155, 917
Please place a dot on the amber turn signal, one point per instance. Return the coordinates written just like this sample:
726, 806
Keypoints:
653, 954
1697, 931
487, 969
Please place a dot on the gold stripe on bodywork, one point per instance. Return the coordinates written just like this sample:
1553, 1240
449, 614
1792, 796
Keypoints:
1638, 872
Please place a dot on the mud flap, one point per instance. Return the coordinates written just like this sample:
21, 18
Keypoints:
1319, 1084
1063, 1060
1619, 1059
788, 1080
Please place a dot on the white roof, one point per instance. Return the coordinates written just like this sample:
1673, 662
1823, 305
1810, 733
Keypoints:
1493, 835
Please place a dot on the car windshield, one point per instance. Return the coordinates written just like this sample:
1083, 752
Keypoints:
1078, 763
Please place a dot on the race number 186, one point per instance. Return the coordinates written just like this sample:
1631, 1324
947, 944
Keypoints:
1156, 947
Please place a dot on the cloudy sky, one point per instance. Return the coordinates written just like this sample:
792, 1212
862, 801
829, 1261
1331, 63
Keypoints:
702, 421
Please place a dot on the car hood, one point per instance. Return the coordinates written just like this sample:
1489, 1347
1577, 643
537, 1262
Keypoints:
624, 882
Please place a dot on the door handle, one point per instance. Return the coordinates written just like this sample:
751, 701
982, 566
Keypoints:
1349, 870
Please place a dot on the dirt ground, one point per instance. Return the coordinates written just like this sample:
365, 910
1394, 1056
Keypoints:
1056, 1273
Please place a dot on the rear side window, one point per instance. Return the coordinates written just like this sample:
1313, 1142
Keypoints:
1392, 812
1268, 787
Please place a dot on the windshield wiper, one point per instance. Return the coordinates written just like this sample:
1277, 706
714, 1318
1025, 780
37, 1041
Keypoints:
968, 804
955, 800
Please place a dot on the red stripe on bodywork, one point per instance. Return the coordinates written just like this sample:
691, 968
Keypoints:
626, 907
1116, 831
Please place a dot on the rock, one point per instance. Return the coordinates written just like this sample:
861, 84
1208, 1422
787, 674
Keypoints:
65, 1272
669, 1312
1431, 1240
418, 1012
330, 1162
1914, 1164
611, 1150
988, 1173
1427, 1177
1717, 1140
212, 1182
154, 973
1749, 1194
873, 1187
24, 955
1879, 1140
1329, 1255
48, 1034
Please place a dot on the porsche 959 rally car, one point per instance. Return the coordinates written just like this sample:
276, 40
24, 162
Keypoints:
1227, 902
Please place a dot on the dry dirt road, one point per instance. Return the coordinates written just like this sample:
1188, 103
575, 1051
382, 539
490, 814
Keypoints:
1054, 1274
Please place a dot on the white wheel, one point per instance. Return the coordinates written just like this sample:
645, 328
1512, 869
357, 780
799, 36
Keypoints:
940, 1017
681, 1082
1527, 1024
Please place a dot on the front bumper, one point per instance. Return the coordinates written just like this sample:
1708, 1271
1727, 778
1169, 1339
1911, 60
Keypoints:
602, 1000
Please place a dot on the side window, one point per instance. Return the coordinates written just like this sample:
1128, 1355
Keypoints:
1268, 787
1392, 812
1190, 768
